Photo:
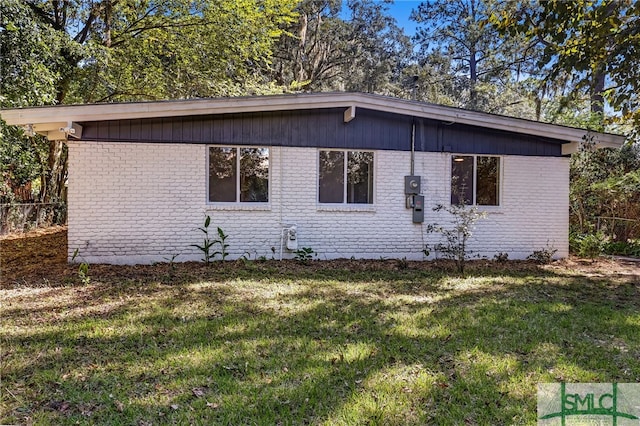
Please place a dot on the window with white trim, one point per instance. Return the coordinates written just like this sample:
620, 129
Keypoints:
238, 174
475, 180
345, 177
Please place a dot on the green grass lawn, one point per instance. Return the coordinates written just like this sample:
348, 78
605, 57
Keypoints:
343, 343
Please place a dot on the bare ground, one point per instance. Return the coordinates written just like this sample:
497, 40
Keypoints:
39, 258
33, 256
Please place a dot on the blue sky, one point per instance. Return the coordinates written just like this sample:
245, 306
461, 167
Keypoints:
401, 9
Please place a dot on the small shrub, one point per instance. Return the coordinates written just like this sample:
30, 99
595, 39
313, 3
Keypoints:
402, 263
622, 248
591, 245
221, 241
304, 254
208, 244
246, 256
455, 245
83, 268
501, 257
172, 260
544, 256
575, 239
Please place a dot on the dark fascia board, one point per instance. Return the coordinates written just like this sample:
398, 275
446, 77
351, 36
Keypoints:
52, 120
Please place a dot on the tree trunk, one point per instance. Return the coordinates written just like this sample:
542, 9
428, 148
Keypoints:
473, 62
107, 23
300, 54
597, 97
600, 73
473, 80
53, 179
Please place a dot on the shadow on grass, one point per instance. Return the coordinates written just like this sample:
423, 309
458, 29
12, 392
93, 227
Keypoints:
262, 345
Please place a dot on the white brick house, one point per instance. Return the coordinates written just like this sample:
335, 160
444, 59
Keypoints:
144, 176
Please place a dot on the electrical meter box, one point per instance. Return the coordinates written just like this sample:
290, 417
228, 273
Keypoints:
418, 209
411, 185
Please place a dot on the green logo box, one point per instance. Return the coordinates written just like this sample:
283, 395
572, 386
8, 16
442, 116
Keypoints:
573, 404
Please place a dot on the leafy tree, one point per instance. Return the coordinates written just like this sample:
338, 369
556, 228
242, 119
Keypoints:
24, 159
382, 53
212, 48
121, 50
28, 57
19, 161
456, 37
354, 46
590, 58
620, 197
30, 67
593, 45
431, 80
604, 183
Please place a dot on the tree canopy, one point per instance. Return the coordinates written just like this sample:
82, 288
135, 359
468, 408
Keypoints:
593, 45
353, 45
108, 50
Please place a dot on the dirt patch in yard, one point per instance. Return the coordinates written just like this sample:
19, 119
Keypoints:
35, 255
599, 267
39, 258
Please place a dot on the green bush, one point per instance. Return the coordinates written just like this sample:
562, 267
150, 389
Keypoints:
622, 248
305, 254
543, 256
590, 245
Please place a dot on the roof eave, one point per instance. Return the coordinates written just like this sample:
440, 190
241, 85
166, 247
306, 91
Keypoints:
51, 119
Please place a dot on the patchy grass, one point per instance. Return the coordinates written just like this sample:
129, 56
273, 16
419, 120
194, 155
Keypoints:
327, 343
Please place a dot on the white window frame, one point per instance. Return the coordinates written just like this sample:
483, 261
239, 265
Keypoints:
237, 202
345, 162
475, 178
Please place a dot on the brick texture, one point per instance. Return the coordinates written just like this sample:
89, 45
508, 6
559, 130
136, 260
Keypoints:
143, 203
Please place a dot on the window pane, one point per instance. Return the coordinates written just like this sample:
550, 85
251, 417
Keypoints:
222, 174
254, 175
488, 180
461, 180
360, 177
331, 179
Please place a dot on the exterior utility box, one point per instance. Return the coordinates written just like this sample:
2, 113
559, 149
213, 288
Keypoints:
411, 185
418, 209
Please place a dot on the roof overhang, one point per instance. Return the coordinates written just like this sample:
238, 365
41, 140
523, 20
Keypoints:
62, 122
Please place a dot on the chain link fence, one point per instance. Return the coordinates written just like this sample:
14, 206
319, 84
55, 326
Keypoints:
22, 217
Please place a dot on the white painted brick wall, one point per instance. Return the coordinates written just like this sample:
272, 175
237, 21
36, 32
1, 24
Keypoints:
140, 203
